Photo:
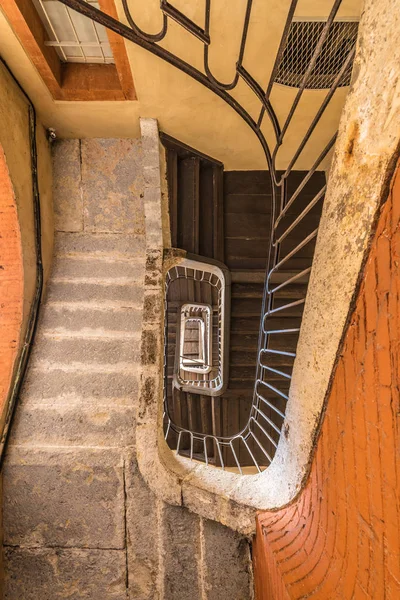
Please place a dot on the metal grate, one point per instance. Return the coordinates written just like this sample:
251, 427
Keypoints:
300, 47
74, 37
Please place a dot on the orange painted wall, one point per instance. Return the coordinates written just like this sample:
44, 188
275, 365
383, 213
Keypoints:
11, 281
340, 539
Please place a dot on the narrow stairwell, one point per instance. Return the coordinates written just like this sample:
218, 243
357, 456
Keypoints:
240, 207
79, 521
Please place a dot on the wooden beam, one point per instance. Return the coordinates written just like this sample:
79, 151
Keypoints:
218, 213
118, 49
172, 173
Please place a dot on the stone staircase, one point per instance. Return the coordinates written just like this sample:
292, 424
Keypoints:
79, 520
237, 232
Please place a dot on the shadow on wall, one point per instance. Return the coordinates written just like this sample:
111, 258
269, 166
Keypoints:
341, 537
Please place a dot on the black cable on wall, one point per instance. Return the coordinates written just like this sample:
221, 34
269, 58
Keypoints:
23, 358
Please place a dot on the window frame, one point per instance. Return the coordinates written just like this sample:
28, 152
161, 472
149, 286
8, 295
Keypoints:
72, 81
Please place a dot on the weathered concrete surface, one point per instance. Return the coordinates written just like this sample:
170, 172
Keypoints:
142, 517
80, 520
59, 573
68, 208
112, 177
69, 498
181, 548
227, 563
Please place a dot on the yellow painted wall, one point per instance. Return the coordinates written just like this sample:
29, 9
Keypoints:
183, 107
14, 138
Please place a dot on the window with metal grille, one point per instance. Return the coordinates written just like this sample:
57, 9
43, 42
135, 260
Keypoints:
74, 37
301, 45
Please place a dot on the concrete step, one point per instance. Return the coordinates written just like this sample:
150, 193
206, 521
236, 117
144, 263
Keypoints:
248, 275
73, 317
258, 276
88, 381
92, 268
99, 244
64, 350
93, 423
102, 290
247, 290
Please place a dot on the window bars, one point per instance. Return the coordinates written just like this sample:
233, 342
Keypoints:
318, 55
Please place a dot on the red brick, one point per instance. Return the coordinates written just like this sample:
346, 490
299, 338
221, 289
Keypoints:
11, 281
349, 547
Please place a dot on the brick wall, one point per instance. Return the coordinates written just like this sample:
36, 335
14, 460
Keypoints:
340, 537
11, 280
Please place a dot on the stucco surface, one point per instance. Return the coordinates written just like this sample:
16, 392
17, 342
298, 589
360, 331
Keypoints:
184, 108
15, 142
17, 261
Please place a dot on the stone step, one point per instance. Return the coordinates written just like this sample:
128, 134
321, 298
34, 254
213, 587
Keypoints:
69, 317
57, 383
83, 291
64, 497
102, 350
85, 267
94, 424
99, 244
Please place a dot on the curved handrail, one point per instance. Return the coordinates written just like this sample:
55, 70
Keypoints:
281, 203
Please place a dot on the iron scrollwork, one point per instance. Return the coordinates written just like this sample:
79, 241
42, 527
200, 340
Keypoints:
266, 416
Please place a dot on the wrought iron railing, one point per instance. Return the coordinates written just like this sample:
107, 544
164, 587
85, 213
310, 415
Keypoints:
324, 63
208, 373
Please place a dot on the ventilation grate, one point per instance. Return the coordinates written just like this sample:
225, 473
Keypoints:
300, 46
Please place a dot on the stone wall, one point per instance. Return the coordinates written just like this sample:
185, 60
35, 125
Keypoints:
79, 520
